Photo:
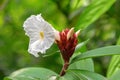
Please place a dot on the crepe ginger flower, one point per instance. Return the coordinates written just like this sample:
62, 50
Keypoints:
66, 41
41, 34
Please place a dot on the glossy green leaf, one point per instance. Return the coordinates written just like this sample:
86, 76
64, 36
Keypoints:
74, 74
115, 76
93, 12
114, 63
86, 64
33, 73
80, 45
104, 51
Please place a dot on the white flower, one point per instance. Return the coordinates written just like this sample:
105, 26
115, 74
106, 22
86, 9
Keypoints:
41, 34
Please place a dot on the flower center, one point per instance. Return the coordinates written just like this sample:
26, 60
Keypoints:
41, 35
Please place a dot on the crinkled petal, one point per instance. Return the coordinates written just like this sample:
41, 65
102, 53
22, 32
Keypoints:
33, 52
33, 26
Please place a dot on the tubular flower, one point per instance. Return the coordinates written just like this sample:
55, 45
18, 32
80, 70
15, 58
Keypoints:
41, 34
67, 41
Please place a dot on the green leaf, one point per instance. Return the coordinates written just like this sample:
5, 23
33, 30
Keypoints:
115, 76
114, 65
75, 74
33, 73
80, 45
93, 12
86, 64
104, 51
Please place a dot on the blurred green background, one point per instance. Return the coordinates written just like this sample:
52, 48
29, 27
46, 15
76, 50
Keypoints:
14, 43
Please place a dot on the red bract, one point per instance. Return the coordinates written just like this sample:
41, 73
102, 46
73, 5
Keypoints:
67, 43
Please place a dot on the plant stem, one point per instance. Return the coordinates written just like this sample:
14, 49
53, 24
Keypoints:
64, 68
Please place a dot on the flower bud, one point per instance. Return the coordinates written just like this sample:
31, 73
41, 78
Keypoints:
67, 43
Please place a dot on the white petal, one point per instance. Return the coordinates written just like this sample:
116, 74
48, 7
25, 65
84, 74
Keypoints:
33, 52
33, 26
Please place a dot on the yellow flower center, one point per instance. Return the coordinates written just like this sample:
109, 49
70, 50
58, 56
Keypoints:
41, 35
